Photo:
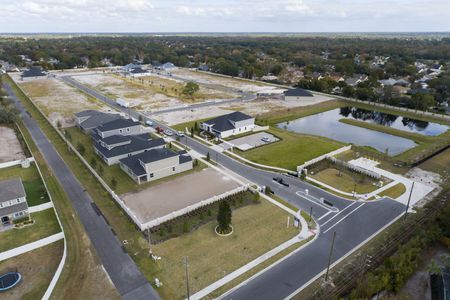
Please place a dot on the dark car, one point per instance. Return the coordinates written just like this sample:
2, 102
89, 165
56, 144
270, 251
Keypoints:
280, 181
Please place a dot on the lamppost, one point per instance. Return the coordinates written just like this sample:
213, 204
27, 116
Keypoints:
329, 257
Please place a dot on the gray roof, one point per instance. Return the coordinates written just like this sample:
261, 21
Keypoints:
33, 72
298, 92
137, 143
11, 189
87, 113
185, 158
5, 211
117, 124
98, 119
138, 71
223, 123
112, 140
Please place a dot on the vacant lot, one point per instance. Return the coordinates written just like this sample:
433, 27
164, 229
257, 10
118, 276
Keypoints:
149, 93
45, 224
10, 146
32, 182
292, 150
170, 196
37, 268
257, 229
254, 140
58, 100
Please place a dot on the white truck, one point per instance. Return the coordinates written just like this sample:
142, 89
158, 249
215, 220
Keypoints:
123, 103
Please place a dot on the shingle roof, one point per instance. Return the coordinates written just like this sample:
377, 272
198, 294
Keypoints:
87, 113
185, 158
117, 124
115, 139
98, 120
223, 123
13, 209
138, 71
137, 143
298, 92
33, 72
11, 189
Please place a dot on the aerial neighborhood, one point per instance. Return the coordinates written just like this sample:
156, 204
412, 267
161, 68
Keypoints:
224, 166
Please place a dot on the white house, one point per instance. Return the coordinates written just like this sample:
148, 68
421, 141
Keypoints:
228, 125
13, 202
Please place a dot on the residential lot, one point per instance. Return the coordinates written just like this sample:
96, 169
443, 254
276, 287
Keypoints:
10, 146
37, 268
176, 194
252, 141
58, 100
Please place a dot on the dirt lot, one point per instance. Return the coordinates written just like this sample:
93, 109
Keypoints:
254, 108
252, 141
11, 148
36, 267
149, 93
164, 198
58, 100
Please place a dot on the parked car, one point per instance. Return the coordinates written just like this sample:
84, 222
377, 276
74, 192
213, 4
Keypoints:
265, 139
149, 123
280, 181
168, 132
180, 133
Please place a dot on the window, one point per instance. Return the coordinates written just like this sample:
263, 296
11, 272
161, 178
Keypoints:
173, 169
151, 175
18, 200
120, 130
128, 129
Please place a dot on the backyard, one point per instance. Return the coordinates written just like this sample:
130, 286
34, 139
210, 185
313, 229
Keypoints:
211, 257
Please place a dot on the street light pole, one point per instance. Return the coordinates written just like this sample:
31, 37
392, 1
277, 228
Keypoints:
409, 200
186, 265
331, 254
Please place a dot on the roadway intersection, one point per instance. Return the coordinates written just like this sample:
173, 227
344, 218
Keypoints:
354, 222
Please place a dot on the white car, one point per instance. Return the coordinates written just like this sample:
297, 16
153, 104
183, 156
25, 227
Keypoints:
180, 133
265, 139
168, 132
149, 123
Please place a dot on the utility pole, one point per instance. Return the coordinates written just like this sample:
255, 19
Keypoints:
331, 254
186, 265
409, 200
310, 216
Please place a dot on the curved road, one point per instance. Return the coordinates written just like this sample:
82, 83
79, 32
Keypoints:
354, 222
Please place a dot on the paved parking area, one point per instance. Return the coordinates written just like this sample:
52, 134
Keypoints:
251, 141
176, 194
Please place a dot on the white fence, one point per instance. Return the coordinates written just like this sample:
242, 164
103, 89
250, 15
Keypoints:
319, 158
15, 162
190, 208
355, 168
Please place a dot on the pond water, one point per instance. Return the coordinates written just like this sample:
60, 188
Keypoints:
397, 122
327, 124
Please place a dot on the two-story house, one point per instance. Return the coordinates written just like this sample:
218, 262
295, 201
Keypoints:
155, 164
13, 202
228, 125
118, 127
87, 120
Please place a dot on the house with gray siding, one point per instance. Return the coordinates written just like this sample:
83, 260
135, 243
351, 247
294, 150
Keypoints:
228, 125
113, 148
118, 127
155, 164
13, 202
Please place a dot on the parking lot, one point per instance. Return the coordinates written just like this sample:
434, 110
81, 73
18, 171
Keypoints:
165, 198
251, 141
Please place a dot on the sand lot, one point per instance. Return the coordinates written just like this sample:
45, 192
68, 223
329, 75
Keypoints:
254, 108
170, 196
10, 146
149, 93
58, 100
251, 141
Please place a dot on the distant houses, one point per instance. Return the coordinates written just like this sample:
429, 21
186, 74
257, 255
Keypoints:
13, 202
167, 66
228, 125
356, 79
296, 94
34, 72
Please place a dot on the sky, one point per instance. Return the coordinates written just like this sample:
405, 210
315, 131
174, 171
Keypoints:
224, 16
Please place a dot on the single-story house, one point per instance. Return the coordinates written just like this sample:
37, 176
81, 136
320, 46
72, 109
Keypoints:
118, 127
155, 164
13, 202
138, 72
296, 94
167, 66
355, 80
33, 73
129, 67
203, 67
115, 147
228, 125
87, 120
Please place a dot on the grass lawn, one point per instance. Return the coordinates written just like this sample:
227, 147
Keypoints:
394, 192
124, 182
292, 150
32, 182
45, 225
257, 229
346, 182
37, 268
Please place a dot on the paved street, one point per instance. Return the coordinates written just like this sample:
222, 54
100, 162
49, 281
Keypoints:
122, 270
354, 222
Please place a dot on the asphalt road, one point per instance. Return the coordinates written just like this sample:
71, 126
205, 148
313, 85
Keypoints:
122, 270
354, 222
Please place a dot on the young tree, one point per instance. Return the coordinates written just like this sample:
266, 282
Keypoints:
224, 217
114, 183
190, 88
81, 149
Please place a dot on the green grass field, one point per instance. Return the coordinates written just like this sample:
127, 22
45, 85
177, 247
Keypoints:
45, 225
292, 150
394, 192
257, 229
32, 182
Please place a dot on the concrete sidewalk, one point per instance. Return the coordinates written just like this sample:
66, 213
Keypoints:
31, 246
